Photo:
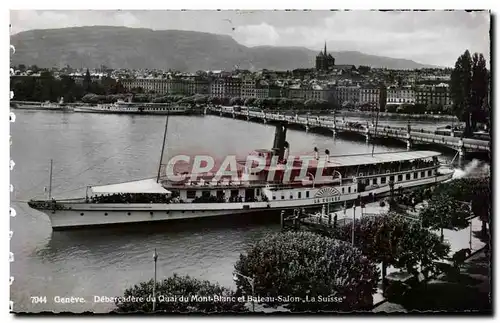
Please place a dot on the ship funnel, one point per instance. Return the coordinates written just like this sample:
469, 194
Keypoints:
286, 152
279, 141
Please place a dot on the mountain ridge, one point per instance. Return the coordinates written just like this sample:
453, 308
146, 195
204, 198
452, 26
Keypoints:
138, 48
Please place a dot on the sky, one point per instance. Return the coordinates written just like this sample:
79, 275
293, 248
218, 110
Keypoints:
429, 37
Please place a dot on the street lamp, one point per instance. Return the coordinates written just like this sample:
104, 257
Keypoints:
155, 258
251, 281
353, 221
469, 204
391, 187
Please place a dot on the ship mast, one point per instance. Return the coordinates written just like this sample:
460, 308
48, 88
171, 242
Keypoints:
162, 149
375, 135
50, 180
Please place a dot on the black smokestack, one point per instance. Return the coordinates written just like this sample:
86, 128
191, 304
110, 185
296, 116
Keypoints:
279, 141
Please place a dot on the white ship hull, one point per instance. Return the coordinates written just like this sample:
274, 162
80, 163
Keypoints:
88, 214
40, 107
132, 110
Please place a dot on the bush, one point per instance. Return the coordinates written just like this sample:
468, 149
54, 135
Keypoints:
180, 294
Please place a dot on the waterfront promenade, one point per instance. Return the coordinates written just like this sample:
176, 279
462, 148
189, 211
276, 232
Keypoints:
469, 237
408, 135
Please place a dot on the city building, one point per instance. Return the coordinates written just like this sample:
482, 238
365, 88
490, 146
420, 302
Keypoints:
369, 95
248, 87
400, 95
156, 85
276, 91
433, 95
225, 87
187, 85
311, 92
324, 61
262, 89
347, 95
201, 86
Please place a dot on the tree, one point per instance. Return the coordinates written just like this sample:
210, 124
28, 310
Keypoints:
187, 100
235, 101
364, 69
284, 103
418, 247
249, 102
298, 104
137, 90
179, 294
119, 88
310, 104
468, 88
273, 103
322, 105
87, 81
200, 99
308, 266
474, 190
392, 240
382, 98
443, 212
225, 101
34, 68
479, 89
109, 85
258, 103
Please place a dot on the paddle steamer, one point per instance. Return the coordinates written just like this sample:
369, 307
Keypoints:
284, 182
125, 107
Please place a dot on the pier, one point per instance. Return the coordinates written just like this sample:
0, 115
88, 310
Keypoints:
325, 219
407, 135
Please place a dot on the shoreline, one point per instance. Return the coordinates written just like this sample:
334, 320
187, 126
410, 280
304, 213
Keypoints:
396, 116
343, 113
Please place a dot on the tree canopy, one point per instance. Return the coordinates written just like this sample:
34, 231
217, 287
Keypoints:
393, 240
469, 86
331, 274
443, 212
179, 294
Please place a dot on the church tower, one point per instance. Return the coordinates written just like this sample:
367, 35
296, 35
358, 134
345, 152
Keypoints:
324, 61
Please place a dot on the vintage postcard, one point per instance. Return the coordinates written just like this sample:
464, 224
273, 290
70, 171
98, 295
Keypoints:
250, 161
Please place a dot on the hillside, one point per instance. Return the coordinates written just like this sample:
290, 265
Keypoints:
135, 48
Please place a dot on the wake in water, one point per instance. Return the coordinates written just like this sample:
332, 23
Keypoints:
474, 167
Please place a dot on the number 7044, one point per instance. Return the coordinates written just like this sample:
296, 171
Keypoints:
38, 299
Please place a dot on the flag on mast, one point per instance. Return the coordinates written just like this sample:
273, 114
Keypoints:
155, 255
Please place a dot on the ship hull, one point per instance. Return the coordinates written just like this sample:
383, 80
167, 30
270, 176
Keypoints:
130, 111
20, 106
77, 215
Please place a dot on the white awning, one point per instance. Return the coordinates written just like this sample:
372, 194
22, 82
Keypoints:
142, 186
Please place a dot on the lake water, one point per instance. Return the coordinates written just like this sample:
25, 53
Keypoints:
90, 149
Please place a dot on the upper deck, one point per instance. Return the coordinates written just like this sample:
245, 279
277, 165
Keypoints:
368, 159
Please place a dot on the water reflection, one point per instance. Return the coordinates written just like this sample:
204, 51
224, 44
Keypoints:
105, 240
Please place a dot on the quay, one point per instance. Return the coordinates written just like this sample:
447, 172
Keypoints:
324, 220
369, 131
